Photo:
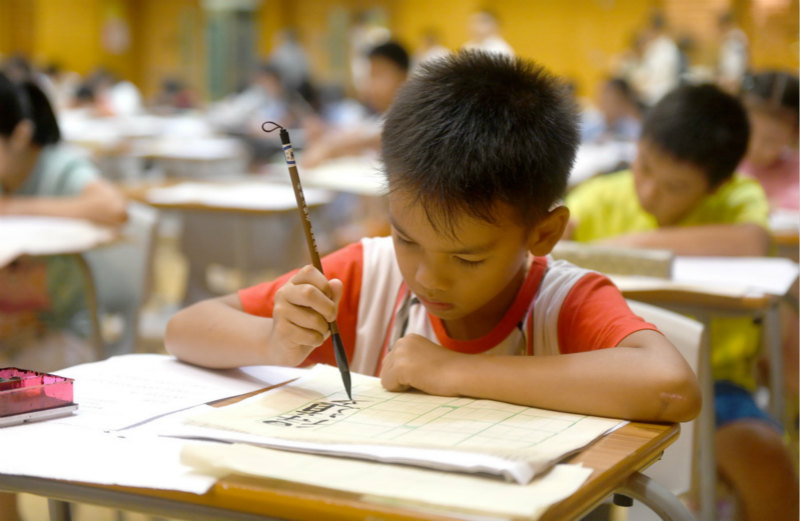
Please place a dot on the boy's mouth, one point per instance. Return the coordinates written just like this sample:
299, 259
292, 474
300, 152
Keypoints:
433, 305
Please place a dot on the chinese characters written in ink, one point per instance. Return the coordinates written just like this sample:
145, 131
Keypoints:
315, 414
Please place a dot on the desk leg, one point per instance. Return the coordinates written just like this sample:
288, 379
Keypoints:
59, 510
660, 500
706, 430
772, 341
94, 311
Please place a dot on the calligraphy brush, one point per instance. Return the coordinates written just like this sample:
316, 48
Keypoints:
288, 154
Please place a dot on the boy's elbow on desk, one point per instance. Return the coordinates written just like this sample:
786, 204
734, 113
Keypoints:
680, 399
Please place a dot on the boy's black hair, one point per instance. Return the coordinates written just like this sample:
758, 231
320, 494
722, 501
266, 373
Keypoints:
27, 101
776, 92
474, 129
392, 51
622, 86
700, 125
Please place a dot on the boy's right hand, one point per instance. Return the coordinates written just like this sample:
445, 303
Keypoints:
303, 308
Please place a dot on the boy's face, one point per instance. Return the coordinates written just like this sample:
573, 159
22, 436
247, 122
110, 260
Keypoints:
468, 279
667, 188
385, 78
769, 136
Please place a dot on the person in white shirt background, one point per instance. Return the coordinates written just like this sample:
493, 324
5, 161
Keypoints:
484, 28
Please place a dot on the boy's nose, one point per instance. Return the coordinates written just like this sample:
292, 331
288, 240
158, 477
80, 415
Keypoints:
429, 277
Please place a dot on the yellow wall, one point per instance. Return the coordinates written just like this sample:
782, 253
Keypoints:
67, 32
774, 36
169, 36
16, 21
577, 38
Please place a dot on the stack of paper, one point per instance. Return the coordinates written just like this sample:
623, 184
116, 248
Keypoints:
313, 414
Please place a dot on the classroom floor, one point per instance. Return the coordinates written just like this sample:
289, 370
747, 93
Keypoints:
34, 508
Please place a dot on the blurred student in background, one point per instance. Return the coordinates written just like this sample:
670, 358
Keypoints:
174, 96
291, 61
682, 195
658, 72
771, 99
388, 68
44, 321
484, 30
733, 57
430, 49
617, 116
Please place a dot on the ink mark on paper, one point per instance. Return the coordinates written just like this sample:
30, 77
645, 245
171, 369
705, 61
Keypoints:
315, 414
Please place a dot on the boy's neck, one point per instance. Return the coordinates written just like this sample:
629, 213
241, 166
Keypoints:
22, 169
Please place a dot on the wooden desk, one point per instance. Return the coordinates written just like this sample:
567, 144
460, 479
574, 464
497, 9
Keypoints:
787, 243
616, 458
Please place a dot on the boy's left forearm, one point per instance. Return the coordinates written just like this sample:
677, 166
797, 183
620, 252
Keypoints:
750, 240
648, 381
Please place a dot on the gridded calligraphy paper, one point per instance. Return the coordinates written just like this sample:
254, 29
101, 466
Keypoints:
313, 414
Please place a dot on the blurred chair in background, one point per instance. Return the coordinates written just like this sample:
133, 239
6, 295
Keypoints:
688, 465
122, 274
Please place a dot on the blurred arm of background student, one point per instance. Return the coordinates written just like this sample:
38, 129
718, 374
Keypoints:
748, 240
333, 145
99, 201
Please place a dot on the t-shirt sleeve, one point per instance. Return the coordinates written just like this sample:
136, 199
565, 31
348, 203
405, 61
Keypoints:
595, 316
602, 207
346, 265
79, 176
582, 201
67, 173
748, 204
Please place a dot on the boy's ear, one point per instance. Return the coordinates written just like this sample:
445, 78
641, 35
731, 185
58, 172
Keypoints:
548, 231
22, 134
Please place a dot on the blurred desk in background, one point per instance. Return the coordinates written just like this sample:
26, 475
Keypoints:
242, 223
784, 226
181, 145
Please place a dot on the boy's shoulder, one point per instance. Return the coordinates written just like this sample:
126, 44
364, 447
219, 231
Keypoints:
740, 199
62, 170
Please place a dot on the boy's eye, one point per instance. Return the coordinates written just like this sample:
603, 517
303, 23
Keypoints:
404, 240
468, 262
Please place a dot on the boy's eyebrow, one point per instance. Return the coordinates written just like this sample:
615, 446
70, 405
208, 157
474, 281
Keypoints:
474, 250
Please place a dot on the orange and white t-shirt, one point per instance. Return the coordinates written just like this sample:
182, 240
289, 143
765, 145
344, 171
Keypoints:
559, 309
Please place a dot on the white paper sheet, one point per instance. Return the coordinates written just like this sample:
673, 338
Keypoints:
56, 450
725, 276
767, 274
254, 196
781, 220
125, 390
425, 489
34, 235
314, 414
115, 393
